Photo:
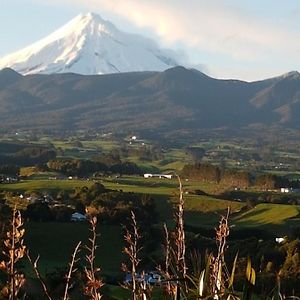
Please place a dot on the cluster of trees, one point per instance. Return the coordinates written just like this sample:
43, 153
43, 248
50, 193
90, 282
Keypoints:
212, 173
42, 212
81, 168
196, 153
143, 152
115, 206
8, 169
18, 154
112, 207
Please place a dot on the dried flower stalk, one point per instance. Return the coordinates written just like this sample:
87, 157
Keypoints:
34, 265
15, 250
217, 277
180, 262
93, 283
72, 270
139, 287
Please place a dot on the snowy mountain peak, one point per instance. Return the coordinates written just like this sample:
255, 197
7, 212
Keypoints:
89, 44
91, 23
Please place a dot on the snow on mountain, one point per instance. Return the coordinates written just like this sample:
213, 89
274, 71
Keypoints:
90, 45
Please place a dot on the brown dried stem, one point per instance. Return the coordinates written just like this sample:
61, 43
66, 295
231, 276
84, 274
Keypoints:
34, 265
217, 278
93, 283
71, 270
180, 263
15, 250
139, 288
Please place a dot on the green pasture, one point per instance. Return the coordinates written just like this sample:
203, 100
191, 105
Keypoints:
88, 149
54, 242
200, 210
45, 185
266, 214
205, 211
136, 184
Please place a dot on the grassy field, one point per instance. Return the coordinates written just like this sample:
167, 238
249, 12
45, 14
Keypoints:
268, 214
200, 210
45, 185
54, 242
205, 211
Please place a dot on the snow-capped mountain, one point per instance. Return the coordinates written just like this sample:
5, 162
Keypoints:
90, 45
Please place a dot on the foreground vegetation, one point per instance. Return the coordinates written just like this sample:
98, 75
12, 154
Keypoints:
181, 276
50, 179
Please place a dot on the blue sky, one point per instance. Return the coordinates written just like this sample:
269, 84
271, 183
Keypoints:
225, 38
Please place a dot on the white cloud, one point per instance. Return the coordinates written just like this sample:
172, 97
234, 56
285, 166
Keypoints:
212, 27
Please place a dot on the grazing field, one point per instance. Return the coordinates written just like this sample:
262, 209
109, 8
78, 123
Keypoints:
201, 210
205, 211
268, 214
54, 242
278, 219
45, 185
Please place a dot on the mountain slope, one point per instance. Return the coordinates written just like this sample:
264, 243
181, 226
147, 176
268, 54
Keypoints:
175, 99
89, 45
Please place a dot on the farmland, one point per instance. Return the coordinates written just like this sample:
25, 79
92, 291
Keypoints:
257, 212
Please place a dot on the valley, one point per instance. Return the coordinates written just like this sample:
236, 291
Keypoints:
258, 209
150, 153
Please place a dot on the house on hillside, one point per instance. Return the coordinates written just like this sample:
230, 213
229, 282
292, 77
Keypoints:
78, 217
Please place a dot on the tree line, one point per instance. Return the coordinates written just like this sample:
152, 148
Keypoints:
211, 173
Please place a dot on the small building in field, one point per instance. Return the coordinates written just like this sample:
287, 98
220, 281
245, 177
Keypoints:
78, 217
168, 176
280, 240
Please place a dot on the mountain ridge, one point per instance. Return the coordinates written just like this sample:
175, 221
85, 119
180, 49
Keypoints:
175, 99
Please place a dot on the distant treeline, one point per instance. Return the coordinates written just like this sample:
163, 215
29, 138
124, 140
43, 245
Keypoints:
76, 167
19, 155
211, 173
14, 155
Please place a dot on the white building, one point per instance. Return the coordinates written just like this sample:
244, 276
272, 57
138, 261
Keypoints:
77, 217
286, 190
148, 175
